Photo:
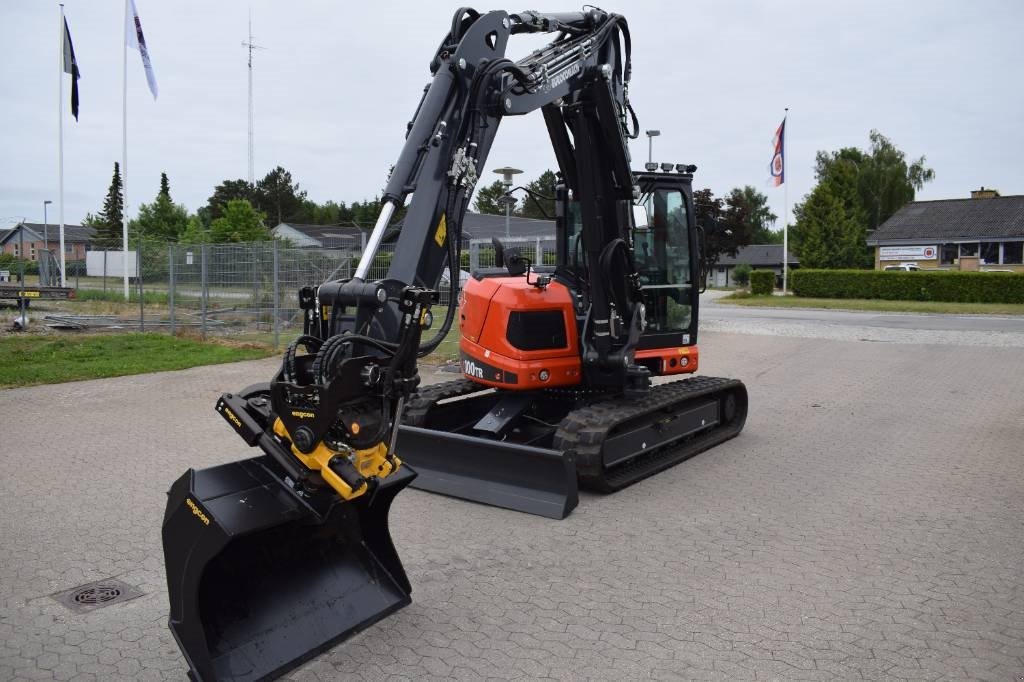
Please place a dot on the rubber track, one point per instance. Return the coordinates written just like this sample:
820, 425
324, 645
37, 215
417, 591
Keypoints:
420, 404
584, 431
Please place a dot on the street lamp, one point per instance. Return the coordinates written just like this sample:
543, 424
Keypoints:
506, 174
651, 134
46, 238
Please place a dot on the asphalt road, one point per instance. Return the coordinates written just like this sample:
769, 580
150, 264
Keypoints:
711, 310
867, 524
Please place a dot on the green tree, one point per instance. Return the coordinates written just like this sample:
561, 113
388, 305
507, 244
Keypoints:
885, 182
229, 190
279, 197
487, 199
830, 230
161, 220
543, 186
108, 224
240, 222
725, 230
165, 185
751, 207
194, 232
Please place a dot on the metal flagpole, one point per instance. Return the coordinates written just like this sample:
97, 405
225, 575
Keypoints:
785, 214
124, 154
60, 145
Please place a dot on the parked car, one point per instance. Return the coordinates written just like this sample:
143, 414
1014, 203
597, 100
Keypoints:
902, 267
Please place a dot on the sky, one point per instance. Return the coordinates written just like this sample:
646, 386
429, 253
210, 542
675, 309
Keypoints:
338, 81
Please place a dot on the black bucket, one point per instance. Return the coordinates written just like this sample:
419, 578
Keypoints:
260, 581
514, 476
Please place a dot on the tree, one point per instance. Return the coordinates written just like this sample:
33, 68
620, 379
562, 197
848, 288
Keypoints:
885, 180
751, 207
240, 222
162, 220
229, 190
194, 232
108, 224
543, 186
731, 231
487, 199
830, 230
279, 197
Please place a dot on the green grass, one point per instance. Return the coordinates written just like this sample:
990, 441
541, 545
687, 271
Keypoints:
31, 359
117, 295
874, 305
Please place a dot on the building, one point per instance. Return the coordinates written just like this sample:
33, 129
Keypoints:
985, 232
474, 226
76, 240
321, 236
757, 256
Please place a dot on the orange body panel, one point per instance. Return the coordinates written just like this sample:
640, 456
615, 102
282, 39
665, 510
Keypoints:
487, 355
674, 360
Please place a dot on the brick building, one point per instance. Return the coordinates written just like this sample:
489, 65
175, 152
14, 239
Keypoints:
985, 232
76, 240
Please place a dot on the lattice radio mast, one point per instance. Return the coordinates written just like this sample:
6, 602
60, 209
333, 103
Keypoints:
252, 46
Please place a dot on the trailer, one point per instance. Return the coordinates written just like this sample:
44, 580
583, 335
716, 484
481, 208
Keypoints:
17, 293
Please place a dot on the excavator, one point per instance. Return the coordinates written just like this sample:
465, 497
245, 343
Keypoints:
274, 558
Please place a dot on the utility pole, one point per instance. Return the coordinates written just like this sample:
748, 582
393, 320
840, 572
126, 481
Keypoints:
252, 46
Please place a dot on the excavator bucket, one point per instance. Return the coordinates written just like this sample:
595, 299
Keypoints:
259, 580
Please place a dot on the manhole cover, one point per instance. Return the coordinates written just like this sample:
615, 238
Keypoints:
97, 595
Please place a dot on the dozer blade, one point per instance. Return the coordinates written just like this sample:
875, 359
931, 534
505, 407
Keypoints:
509, 475
260, 581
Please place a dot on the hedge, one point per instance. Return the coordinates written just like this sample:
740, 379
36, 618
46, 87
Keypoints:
762, 282
936, 285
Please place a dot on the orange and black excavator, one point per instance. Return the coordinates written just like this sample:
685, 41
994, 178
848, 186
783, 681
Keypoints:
274, 558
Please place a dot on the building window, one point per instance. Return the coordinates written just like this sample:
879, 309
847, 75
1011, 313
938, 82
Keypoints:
1013, 253
990, 253
948, 254
969, 249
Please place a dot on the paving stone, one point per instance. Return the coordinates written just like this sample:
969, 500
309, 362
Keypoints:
865, 525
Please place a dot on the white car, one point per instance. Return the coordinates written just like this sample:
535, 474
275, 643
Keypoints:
902, 267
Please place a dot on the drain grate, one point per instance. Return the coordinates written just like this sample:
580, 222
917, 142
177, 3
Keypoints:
97, 595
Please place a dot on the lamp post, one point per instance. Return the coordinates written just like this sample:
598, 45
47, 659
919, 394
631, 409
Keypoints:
506, 174
46, 236
651, 134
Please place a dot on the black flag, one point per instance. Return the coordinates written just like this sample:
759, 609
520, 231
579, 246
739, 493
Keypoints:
71, 66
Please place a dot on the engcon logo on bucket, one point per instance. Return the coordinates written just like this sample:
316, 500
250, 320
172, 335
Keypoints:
197, 511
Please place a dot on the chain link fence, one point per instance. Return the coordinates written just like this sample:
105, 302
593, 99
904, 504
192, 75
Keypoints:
246, 291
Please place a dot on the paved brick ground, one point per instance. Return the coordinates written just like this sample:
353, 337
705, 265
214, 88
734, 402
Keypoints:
868, 523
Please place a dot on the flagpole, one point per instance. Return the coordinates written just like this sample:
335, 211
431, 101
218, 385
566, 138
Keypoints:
60, 146
785, 214
124, 152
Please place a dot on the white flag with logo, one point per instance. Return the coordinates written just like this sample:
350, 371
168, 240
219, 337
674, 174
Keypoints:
133, 32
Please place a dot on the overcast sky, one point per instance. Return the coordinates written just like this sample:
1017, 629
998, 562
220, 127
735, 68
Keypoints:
339, 81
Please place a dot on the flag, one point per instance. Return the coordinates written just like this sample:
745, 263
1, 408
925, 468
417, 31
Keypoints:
133, 32
777, 169
71, 66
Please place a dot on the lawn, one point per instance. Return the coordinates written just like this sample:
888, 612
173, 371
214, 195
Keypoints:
26, 360
746, 299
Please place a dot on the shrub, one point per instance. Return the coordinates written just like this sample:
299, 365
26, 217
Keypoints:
937, 285
741, 274
762, 282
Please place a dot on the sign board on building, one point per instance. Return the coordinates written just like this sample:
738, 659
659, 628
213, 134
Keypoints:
907, 252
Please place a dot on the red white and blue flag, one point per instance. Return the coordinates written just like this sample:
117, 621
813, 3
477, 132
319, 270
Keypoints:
777, 169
